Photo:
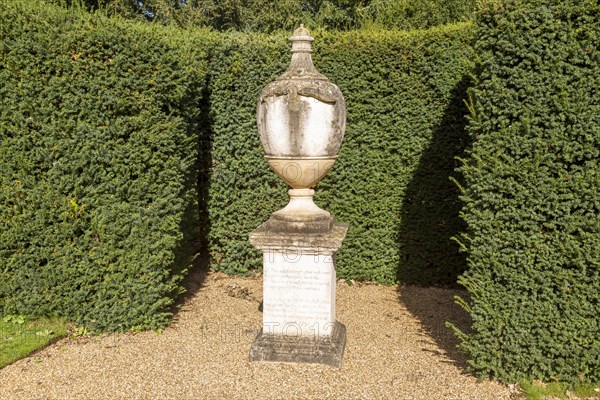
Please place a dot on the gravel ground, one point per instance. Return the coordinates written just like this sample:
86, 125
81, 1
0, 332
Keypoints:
397, 348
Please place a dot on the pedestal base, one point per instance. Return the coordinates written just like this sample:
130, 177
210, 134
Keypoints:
328, 350
299, 282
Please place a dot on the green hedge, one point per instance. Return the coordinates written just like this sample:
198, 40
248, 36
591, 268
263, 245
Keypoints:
414, 14
106, 127
276, 15
98, 135
532, 193
404, 94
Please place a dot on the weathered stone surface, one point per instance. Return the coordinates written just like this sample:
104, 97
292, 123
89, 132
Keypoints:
327, 242
299, 293
300, 216
299, 282
301, 119
301, 172
327, 350
301, 113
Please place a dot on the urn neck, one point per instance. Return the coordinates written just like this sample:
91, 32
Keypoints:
301, 66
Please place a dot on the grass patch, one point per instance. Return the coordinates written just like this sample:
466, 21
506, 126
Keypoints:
537, 390
20, 336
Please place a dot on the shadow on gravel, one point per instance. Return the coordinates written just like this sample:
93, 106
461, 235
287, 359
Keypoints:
430, 218
433, 307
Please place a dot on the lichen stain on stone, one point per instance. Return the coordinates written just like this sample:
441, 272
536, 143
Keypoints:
300, 129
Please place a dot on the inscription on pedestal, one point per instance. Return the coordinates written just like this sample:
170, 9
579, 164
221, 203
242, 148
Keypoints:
299, 293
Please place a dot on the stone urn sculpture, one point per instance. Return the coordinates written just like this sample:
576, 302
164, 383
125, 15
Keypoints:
301, 119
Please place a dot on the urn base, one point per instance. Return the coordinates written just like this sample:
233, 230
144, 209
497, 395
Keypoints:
301, 215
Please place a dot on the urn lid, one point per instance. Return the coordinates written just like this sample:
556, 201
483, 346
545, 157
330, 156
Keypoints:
299, 38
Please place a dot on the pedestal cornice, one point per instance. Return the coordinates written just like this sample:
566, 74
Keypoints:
317, 243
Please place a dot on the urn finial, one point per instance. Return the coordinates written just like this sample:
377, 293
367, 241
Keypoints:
301, 40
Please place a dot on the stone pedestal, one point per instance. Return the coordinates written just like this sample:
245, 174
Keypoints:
299, 281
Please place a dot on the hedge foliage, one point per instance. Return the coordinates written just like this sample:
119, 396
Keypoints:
404, 94
532, 193
277, 15
109, 127
98, 135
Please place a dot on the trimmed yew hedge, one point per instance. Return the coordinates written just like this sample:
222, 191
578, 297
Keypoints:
532, 193
404, 94
107, 126
99, 127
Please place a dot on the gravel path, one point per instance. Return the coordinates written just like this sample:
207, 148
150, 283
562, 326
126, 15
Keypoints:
397, 348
